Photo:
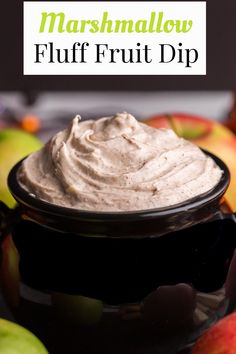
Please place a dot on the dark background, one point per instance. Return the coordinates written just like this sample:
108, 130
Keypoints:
221, 58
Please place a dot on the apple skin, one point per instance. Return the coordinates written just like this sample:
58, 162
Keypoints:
15, 339
219, 339
14, 145
207, 134
77, 309
9, 272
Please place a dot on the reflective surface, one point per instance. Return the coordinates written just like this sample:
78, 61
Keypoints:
107, 295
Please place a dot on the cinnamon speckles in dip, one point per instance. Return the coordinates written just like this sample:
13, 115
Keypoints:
117, 164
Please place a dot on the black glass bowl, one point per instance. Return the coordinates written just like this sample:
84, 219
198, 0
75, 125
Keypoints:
108, 281
138, 224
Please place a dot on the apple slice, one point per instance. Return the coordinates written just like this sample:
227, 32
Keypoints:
77, 309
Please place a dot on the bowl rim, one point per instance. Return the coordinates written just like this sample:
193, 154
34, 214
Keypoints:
28, 200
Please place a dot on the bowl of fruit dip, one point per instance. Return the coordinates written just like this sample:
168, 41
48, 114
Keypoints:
117, 164
122, 234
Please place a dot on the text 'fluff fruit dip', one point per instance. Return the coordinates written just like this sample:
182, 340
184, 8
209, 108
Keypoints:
117, 164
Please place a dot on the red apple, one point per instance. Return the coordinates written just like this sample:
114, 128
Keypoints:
219, 339
9, 272
185, 125
209, 135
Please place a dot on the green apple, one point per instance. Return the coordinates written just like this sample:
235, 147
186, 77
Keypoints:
77, 309
15, 339
14, 145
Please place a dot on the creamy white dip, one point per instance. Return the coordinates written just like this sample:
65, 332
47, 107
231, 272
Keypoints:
117, 164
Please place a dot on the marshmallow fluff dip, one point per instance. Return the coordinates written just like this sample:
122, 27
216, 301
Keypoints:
117, 164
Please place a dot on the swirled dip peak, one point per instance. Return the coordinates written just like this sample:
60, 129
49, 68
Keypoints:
117, 164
